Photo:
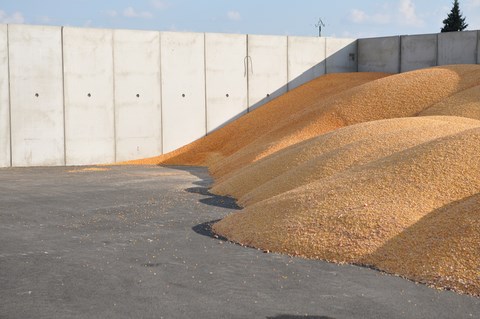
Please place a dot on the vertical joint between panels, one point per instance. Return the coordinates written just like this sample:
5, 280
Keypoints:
357, 52
64, 101
247, 72
205, 80
161, 88
477, 53
288, 69
113, 99
325, 51
9, 96
400, 54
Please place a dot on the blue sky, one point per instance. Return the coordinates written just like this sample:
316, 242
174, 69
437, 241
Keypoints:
343, 18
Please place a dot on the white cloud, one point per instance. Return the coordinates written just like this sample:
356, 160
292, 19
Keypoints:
158, 4
16, 17
359, 16
234, 15
409, 14
111, 13
473, 3
131, 13
381, 18
44, 19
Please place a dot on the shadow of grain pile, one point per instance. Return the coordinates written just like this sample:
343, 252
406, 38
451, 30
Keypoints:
359, 168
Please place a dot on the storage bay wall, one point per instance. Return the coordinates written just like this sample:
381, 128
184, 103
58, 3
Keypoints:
78, 96
410, 52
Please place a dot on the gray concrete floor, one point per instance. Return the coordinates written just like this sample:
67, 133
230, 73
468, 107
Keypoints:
133, 242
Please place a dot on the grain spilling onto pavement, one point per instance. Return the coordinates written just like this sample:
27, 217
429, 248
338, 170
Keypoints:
364, 168
89, 169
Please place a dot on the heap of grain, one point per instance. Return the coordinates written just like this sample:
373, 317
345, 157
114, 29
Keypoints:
333, 152
361, 168
352, 214
465, 103
401, 95
236, 135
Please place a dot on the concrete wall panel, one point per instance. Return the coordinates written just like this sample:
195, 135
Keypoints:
226, 79
306, 60
478, 47
89, 111
379, 55
183, 88
418, 52
457, 48
341, 55
138, 116
36, 95
267, 68
4, 100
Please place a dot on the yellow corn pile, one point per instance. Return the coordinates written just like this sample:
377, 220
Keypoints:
365, 168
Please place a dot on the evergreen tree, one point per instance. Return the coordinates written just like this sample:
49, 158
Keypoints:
454, 21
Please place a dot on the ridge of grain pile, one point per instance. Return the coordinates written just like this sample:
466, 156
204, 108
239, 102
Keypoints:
333, 152
465, 103
400, 95
350, 215
239, 133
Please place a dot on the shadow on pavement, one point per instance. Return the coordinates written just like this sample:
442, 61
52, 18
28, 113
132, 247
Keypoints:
203, 187
205, 229
214, 200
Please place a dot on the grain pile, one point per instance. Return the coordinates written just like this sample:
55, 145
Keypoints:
350, 215
234, 136
359, 168
333, 152
441, 249
465, 103
401, 95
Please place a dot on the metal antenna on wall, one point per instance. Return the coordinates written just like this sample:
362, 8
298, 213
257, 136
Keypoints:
319, 25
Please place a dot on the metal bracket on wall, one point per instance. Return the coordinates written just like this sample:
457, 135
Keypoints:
247, 61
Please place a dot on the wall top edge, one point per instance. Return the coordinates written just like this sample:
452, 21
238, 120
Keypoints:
21, 25
233, 34
418, 35
166, 32
462, 32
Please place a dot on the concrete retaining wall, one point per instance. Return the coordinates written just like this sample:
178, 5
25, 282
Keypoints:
478, 47
407, 53
227, 96
36, 95
341, 55
79, 96
306, 60
138, 112
183, 88
418, 51
89, 111
379, 55
267, 68
457, 47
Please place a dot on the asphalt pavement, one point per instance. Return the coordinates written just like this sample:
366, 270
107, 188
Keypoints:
135, 242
